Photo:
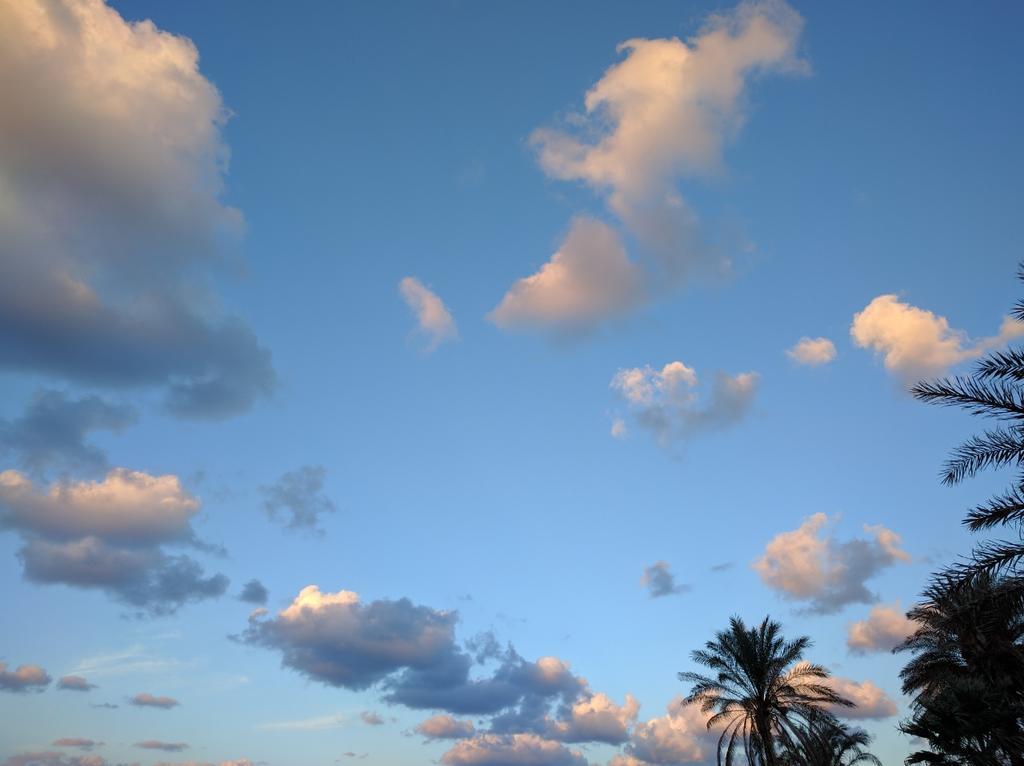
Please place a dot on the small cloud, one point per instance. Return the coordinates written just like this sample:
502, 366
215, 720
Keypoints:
105, 705
78, 742
254, 592
25, 678
144, 699
298, 496
371, 718
317, 723
886, 627
870, 702
445, 727
75, 684
434, 320
618, 428
726, 565
167, 747
915, 343
660, 581
667, 402
812, 352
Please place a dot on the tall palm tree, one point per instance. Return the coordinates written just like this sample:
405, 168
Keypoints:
995, 389
967, 674
761, 689
827, 742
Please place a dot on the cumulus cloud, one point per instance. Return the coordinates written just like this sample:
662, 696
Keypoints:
409, 653
445, 727
659, 580
145, 699
915, 343
111, 220
812, 352
884, 629
254, 592
75, 684
511, 750
595, 718
808, 564
433, 319
80, 742
25, 678
679, 736
167, 747
110, 535
870, 702
298, 498
661, 113
52, 432
589, 278
667, 402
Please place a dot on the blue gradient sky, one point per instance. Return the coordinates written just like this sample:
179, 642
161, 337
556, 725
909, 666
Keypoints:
370, 142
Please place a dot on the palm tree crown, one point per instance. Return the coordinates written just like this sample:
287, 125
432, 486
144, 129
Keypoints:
761, 690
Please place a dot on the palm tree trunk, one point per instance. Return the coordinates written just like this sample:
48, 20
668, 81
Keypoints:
767, 741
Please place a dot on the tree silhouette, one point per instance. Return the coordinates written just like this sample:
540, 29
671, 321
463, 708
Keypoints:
761, 691
995, 389
967, 674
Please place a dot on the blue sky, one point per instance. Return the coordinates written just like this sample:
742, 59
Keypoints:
863, 151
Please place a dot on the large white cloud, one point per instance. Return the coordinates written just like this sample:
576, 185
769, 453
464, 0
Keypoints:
433, 319
663, 112
111, 219
914, 342
885, 628
111, 535
668, 403
808, 564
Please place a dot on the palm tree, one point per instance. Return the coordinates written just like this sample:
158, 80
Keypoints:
827, 742
995, 389
967, 676
761, 689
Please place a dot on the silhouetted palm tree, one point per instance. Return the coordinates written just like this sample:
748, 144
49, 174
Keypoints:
827, 742
995, 389
761, 689
967, 675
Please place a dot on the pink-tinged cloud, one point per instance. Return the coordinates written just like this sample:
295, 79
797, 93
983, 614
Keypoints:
145, 699
916, 343
445, 727
885, 628
812, 352
511, 750
434, 321
808, 564
23, 679
870, 701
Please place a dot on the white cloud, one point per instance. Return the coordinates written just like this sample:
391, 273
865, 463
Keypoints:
808, 564
664, 111
812, 352
589, 278
667, 401
915, 343
434, 320
112, 225
871, 702
885, 627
